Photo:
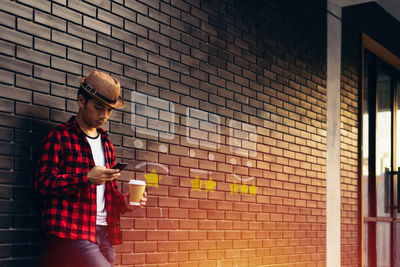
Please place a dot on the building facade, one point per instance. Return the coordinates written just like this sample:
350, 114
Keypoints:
251, 121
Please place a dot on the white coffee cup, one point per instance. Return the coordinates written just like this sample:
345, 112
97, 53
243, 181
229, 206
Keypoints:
136, 190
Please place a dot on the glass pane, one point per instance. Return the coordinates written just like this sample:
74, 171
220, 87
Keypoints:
383, 244
365, 139
365, 245
383, 142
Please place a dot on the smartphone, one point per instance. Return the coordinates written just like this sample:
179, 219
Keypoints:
120, 166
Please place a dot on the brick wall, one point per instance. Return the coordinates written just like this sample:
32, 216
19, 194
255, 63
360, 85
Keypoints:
350, 186
226, 101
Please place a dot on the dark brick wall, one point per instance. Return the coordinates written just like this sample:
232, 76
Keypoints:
198, 73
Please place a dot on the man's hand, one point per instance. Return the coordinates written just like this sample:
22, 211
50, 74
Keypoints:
98, 175
129, 207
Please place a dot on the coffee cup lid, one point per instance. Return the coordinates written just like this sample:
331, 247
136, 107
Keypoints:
138, 182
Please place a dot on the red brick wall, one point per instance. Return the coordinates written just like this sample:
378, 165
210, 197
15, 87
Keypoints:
257, 64
350, 186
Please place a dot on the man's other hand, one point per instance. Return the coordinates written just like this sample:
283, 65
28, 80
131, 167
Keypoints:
129, 207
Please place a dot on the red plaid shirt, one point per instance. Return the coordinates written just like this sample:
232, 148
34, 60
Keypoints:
69, 198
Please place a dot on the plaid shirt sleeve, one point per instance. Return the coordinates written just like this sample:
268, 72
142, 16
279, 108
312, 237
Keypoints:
69, 200
59, 173
115, 203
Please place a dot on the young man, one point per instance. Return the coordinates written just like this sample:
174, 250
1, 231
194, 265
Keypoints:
82, 204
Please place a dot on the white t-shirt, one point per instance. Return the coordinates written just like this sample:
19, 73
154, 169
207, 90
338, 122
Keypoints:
99, 160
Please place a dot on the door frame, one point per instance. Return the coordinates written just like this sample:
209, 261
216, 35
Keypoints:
385, 55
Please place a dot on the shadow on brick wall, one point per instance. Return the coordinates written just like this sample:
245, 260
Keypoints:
21, 234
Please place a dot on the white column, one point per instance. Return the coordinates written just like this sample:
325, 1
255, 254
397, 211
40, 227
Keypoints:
334, 38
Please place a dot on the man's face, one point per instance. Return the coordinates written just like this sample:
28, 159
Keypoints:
94, 113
